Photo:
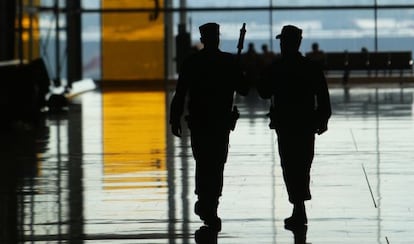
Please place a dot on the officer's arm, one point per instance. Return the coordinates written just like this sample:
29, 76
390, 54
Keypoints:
323, 109
177, 104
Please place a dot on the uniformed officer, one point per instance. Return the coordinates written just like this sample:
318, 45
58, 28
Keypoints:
209, 79
300, 108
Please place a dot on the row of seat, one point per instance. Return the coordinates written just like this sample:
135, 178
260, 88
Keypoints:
398, 60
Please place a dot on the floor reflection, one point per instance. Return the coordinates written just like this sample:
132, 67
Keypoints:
110, 171
44, 195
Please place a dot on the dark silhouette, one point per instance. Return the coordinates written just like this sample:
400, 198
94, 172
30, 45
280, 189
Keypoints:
23, 94
183, 45
300, 108
209, 78
251, 64
266, 57
364, 50
205, 235
317, 55
299, 233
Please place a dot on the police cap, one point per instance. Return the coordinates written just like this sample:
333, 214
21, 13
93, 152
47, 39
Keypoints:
209, 30
290, 32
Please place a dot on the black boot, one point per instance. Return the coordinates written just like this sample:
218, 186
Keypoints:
207, 211
298, 217
205, 235
199, 209
213, 223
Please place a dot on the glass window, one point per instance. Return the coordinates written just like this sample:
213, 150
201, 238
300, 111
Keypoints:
350, 32
51, 3
322, 2
395, 2
395, 30
257, 25
52, 41
91, 40
225, 3
120, 45
265, 3
91, 45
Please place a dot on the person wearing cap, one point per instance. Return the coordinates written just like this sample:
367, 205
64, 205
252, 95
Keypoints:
208, 78
300, 108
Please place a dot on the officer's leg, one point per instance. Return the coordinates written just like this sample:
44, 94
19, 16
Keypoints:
210, 152
198, 145
296, 153
209, 178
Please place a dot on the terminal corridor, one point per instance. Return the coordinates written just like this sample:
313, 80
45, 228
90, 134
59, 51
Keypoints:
110, 171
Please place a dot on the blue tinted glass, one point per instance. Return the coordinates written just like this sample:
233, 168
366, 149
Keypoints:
334, 30
91, 49
395, 29
226, 3
322, 2
394, 2
258, 27
352, 31
247, 3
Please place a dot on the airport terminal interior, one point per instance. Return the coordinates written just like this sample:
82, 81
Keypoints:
87, 151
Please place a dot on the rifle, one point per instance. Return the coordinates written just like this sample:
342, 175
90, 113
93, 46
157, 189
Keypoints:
241, 40
235, 111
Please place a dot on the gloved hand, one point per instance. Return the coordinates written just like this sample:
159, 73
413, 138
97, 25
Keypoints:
176, 129
322, 128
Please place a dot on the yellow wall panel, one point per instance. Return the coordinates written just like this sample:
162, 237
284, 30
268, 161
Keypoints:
132, 43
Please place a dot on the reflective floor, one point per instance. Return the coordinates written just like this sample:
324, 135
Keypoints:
109, 171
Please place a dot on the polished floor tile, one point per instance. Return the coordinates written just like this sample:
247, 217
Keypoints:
109, 171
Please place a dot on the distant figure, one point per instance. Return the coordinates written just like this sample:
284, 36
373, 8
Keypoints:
300, 108
267, 56
364, 50
251, 64
365, 55
209, 79
317, 55
182, 45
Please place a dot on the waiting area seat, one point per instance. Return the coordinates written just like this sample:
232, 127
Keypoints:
386, 61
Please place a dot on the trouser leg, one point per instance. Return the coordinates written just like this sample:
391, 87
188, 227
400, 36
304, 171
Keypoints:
209, 185
210, 153
296, 154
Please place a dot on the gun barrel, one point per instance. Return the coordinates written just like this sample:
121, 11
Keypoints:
240, 44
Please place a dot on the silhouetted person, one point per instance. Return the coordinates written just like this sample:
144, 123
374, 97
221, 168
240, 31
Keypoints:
364, 50
266, 57
301, 108
251, 64
317, 55
209, 79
